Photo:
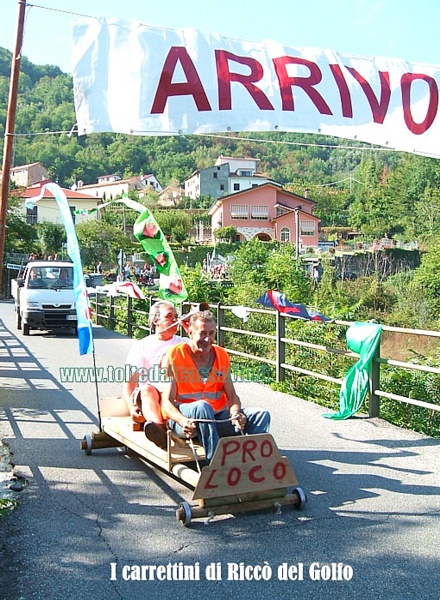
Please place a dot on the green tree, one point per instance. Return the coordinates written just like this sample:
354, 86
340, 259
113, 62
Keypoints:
51, 237
199, 286
287, 275
101, 241
226, 234
175, 224
250, 264
427, 279
259, 266
20, 237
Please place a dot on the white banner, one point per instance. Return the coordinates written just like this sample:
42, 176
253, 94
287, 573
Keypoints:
134, 79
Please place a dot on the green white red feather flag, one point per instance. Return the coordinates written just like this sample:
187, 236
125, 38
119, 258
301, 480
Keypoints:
149, 234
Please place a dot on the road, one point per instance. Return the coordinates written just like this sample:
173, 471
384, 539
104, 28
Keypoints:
85, 523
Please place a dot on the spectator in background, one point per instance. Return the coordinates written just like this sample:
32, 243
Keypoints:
127, 272
316, 275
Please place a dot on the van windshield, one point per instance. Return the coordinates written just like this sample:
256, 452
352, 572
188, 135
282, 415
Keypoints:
51, 277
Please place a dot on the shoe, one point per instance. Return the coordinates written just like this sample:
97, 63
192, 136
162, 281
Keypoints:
156, 433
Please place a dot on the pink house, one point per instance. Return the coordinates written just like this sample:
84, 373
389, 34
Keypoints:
267, 212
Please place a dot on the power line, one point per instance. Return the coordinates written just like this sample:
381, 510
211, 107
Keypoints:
40, 133
67, 12
285, 142
231, 137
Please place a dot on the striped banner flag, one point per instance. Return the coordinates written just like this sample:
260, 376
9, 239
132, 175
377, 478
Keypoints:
85, 336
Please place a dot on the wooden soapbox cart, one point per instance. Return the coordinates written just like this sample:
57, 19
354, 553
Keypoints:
247, 472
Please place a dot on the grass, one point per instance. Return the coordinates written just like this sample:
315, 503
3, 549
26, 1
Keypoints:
6, 506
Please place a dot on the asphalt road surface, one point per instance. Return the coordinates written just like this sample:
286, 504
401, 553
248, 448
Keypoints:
103, 526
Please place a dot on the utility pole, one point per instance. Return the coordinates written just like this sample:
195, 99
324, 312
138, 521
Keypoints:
296, 211
9, 131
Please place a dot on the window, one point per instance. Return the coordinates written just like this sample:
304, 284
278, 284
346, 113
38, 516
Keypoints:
307, 227
239, 211
32, 215
260, 213
285, 234
236, 187
222, 187
215, 174
246, 173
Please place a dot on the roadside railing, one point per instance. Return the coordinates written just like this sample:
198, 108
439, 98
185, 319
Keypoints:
120, 313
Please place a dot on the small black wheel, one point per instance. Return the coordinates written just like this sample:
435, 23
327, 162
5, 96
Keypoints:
26, 328
302, 498
18, 319
183, 514
88, 441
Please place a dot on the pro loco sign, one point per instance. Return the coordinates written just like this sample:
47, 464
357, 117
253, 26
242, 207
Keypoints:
131, 78
242, 465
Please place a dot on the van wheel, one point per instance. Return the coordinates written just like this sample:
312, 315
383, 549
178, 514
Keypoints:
26, 329
18, 320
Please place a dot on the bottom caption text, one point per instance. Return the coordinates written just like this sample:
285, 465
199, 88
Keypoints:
231, 571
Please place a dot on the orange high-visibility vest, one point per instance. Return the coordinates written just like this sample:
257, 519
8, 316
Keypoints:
189, 382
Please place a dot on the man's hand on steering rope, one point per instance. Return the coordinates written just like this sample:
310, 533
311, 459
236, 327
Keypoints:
238, 419
189, 429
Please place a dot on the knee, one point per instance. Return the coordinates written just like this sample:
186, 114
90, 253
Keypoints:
258, 420
202, 410
148, 392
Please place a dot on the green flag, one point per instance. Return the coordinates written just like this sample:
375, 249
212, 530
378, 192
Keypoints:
148, 233
362, 338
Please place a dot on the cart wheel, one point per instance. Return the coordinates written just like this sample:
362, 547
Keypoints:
301, 495
183, 514
88, 441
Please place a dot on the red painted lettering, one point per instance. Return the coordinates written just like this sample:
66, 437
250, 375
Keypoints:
252, 475
406, 82
229, 448
305, 83
225, 77
279, 471
266, 449
233, 477
208, 485
192, 87
247, 448
344, 92
378, 109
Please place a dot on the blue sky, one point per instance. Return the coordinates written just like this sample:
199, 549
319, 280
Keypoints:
405, 29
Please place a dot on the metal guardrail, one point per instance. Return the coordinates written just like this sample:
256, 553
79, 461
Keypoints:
111, 318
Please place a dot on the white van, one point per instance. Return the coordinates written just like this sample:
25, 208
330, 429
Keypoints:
44, 296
